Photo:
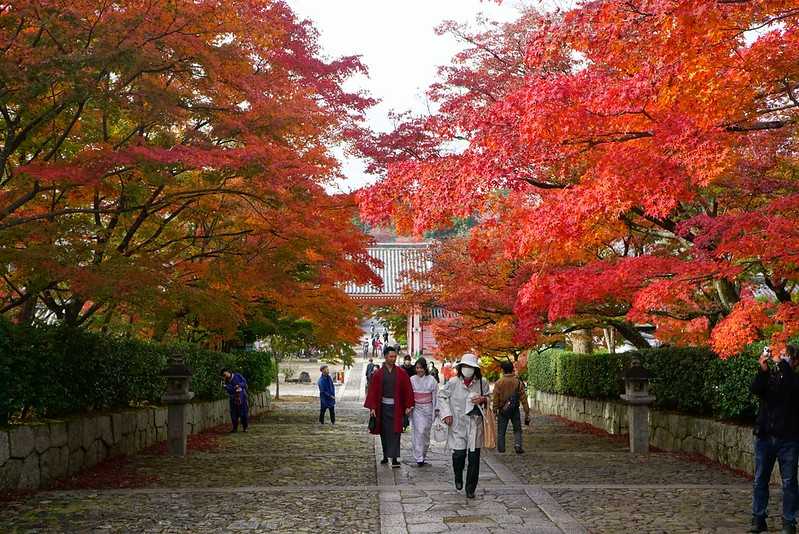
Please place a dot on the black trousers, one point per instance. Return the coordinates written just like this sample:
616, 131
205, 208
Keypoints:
502, 429
389, 439
332, 414
239, 412
459, 457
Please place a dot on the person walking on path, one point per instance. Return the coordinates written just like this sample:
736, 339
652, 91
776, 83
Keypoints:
434, 372
389, 399
509, 395
776, 436
327, 396
408, 366
461, 403
371, 367
236, 387
425, 397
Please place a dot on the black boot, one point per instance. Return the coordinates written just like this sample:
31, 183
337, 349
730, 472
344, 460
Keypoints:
759, 525
472, 472
458, 463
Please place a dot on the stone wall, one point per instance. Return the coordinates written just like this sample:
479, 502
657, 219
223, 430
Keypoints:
726, 443
33, 455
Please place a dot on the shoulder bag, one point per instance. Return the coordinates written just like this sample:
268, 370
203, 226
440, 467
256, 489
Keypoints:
489, 424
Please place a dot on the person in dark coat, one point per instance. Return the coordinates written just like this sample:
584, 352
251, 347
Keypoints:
236, 387
390, 399
327, 396
408, 366
434, 372
776, 436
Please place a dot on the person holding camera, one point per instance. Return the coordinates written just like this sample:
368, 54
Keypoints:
236, 387
776, 436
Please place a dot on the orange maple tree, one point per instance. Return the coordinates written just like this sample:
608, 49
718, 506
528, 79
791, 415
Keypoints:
637, 156
164, 164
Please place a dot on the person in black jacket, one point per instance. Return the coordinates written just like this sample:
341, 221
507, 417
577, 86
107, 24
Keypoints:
776, 436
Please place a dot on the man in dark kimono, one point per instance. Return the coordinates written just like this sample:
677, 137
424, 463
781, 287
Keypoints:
389, 399
236, 387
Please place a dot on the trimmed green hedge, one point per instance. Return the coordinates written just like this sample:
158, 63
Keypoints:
689, 380
52, 372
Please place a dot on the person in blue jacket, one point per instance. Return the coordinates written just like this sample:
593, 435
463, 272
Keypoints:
327, 396
236, 387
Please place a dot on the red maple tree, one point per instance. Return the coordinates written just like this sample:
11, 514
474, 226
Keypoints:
164, 164
638, 157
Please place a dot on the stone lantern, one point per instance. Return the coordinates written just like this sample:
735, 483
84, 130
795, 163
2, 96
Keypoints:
638, 399
177, 395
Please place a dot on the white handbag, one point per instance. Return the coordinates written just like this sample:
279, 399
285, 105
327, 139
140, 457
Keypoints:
440, 431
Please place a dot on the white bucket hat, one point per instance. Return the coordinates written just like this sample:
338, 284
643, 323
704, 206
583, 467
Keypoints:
470, 360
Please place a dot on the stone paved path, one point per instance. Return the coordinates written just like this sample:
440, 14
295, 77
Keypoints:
291, 475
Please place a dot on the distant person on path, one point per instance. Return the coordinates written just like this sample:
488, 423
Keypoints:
407, 366
389, 399
425, 393
236, 387
385, 336
461, 403
327, 396
509, 396
370, 370
776, 436
434, 372
365, 349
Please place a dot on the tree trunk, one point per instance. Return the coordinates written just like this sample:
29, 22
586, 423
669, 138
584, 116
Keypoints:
582, 341
610, 339
28, 311
727, 293
277, 379
630, 333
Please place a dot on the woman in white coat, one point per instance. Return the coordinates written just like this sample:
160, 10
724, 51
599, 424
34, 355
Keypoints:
461, 403
425, 396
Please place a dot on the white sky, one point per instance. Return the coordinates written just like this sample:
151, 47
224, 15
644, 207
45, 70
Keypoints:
397, 43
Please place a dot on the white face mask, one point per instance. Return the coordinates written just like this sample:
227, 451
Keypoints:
467, 372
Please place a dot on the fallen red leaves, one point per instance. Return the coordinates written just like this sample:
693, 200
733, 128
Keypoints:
113, 473
585, 428
119, 473
15, 495
206, 441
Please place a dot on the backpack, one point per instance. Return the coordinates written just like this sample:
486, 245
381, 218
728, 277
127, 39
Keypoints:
512, 404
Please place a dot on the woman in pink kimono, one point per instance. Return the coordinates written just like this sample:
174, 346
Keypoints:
425, 396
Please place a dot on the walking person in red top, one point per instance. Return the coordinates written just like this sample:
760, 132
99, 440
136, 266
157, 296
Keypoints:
390, 399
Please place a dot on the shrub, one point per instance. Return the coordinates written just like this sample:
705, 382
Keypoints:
51, 372
583, 375
689, 380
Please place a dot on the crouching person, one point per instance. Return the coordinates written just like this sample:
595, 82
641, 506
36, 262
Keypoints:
776, 436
